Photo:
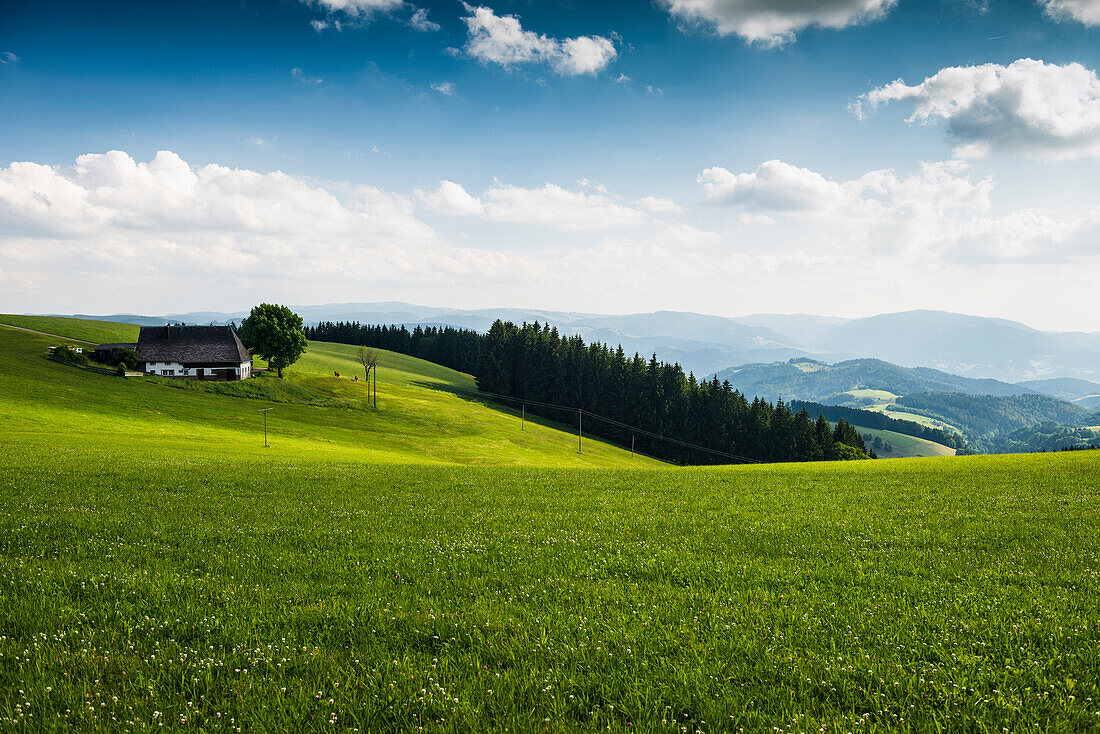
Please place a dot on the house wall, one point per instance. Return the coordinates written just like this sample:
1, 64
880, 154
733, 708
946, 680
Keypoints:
175, 369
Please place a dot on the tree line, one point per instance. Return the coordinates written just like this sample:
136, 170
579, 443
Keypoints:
459, 349
881, 421
533, 362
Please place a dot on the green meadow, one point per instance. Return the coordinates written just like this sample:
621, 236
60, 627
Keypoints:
316, 416
431, 567
905, 446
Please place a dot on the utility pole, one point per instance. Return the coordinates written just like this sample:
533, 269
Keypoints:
580, 422
375, 390
522, 416
265, 411
632, 446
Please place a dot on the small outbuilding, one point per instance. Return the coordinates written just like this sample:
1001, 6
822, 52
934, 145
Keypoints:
108, 353
193, 352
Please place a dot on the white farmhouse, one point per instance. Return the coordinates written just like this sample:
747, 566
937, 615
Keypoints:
193, 352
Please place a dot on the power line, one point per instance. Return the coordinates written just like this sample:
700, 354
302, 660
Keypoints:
590, 414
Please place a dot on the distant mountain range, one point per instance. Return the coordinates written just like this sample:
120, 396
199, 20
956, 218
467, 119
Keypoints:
970, 346
844, 383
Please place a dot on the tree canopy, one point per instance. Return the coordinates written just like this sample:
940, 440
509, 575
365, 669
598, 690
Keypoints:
534, 363
275, 333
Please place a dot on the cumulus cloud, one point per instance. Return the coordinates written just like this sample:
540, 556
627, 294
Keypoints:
936, 214
501, 39
445, 88
8, 57
419, 21
1085, 11
451, 198
1028, 107
165, 221
658, 205
550, 206
773, 187
113, 191
771, 23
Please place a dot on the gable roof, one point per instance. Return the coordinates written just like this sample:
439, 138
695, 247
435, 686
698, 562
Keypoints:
189, 344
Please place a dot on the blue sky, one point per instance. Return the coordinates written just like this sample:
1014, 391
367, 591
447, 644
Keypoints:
710, 155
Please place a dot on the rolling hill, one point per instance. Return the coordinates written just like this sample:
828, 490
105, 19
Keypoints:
1079, 392
419, 418
977, 347
840, 383
431, 566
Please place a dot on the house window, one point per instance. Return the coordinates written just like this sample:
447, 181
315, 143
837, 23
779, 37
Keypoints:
168, 373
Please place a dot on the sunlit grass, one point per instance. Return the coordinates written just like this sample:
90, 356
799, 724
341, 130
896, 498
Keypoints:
160, 569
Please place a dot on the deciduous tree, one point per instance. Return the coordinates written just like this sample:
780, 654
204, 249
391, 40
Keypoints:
275, 333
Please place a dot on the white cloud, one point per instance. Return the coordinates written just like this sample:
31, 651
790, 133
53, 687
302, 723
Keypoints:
8, 57
772, 23
880, 209
658, 205
419, 21
937, 214
583, 55
165, 235
113, 191
445, 88
773, 187
555, 206
1028, 107
501, 39
356, 7
451, 198
1085, 11
304, 78
623, 79
548, 206
360, 12
109, 216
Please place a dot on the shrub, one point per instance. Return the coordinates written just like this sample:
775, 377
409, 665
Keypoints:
843, 452
66, 354
127, 358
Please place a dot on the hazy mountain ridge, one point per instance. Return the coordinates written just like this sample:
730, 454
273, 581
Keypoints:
811, 380
972, 346
1079, 392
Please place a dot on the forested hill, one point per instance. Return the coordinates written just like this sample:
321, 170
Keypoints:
807, 379
649, 404
988, 414
880, 421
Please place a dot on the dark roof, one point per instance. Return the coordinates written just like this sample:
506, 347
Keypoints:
119, 345
190, 344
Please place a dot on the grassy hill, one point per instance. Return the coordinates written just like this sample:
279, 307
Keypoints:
159, 569
315, 414
905, 446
